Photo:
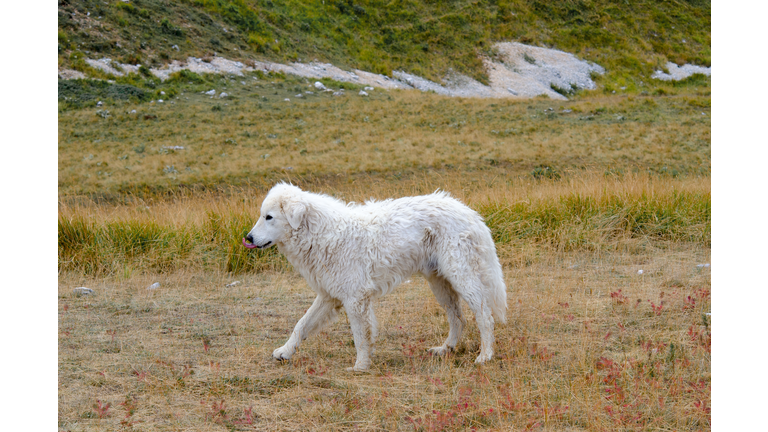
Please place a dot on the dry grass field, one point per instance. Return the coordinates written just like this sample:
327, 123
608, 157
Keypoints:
255, 137
590, 344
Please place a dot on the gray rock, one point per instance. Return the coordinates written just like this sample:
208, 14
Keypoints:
211, 92
363, 93
319, 85
223, 95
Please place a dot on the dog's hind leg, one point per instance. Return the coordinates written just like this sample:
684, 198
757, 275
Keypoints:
322, 312
360, 314
449, 300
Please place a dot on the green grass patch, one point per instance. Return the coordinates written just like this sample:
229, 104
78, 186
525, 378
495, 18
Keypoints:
80, 93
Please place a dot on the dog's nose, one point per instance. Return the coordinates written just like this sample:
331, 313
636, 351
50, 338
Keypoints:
249, 237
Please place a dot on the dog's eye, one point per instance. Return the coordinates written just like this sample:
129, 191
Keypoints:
268, 217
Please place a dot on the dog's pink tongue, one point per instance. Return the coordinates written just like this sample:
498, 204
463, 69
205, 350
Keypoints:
248, 245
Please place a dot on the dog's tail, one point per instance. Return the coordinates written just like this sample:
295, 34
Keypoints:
496, 294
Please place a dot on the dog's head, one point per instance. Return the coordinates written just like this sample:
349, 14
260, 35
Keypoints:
281, 212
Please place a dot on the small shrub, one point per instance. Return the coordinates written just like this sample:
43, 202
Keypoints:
545, 172
529, 59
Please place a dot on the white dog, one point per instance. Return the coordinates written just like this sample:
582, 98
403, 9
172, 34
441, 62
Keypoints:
352, 254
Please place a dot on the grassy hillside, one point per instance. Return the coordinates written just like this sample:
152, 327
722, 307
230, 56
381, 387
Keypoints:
427, 38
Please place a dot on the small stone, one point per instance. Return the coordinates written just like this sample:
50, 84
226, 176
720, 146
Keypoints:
512, 91
639, 272
235, 283
287, 100
155, 285
368, 89
176, 47
210, 92
338, 93
162, 93
159, 101
707, 265
83, 291
299, 95
133, 111
99, 103
363, 93
319, 85
223, 95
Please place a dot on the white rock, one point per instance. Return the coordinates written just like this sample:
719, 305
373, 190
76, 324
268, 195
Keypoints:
363, 93
287, 100
235, 283
159, 101
639, 272
368, 89
133, 111
223, 95
677, 73
338, 93
299, 95
176, 47
99, 103
83, 291
210, 92
309, 92
155, 285
319, 85
707, 265
162, 93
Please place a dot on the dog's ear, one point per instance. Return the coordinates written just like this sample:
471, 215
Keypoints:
294, 212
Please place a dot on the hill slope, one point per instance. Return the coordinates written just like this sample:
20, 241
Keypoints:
427, 38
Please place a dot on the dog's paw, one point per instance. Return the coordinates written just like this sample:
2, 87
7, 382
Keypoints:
282, 353
440, 350
482, 358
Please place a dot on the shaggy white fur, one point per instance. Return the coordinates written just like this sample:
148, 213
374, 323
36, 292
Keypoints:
351, 254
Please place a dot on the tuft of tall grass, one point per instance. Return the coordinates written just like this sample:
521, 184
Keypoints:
575, 221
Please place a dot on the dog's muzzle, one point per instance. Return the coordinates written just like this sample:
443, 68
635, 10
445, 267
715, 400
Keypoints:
248, 242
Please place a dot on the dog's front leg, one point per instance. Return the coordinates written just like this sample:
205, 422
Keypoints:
358, 312
321, 313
